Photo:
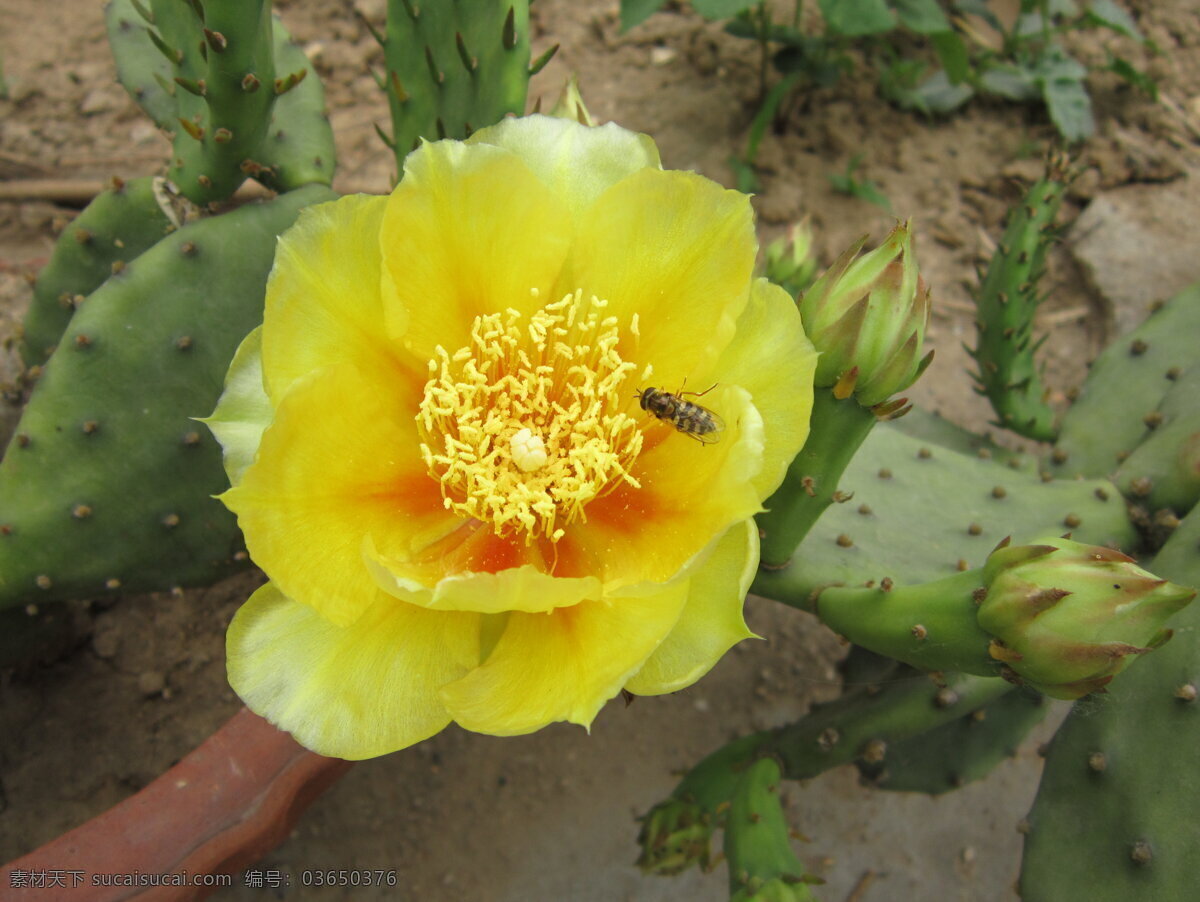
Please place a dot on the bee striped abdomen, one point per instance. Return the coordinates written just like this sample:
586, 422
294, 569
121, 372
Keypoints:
686, 416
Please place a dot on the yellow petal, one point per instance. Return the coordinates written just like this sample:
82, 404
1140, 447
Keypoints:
711, 622
677, 250
339, 462
522, 588
348, 692
323, 304
773, 359
470, 230
576, 162
244, 410
690, 492
563, 665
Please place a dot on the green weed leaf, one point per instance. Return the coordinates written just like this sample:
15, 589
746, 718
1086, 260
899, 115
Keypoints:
1070, 107
952, 53
847, 183
938, 94
1009, 81
922, 16
1106, 13
854, 18
635, 12
1134, 76
714, 10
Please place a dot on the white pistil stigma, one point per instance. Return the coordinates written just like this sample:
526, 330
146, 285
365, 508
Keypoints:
528, 450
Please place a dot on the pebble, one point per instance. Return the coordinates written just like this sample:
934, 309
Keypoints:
151, 682
660, 56
101, 100
105, 644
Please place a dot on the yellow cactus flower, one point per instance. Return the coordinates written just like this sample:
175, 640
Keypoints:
439, 458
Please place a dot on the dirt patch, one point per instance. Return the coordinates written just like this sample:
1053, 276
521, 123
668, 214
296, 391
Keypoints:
549, 815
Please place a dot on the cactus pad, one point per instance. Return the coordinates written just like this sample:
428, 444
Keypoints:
919, 511
453, 67
115, 227
762, 864
959, 752
1007, 300
106, 483
1115, 814
1127, 382
225, 77
1163, 472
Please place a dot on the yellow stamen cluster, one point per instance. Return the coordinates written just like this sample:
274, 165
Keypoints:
525, 425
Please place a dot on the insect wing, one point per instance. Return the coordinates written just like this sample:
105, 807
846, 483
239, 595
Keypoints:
708, 428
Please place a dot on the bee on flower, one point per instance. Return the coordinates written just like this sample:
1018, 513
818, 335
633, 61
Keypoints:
436, 457
686, 416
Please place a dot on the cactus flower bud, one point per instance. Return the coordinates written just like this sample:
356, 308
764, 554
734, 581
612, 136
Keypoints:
869, 315
789, 261
675, 835
1066, 617
570, 103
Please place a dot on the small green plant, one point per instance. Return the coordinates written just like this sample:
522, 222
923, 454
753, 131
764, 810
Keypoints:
864, 189
977, 51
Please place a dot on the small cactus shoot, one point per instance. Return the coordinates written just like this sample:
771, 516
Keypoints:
1007, 300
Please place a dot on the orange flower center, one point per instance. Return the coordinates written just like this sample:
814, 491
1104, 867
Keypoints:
525, 425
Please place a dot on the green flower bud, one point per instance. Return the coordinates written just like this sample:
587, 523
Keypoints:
570, 104
867, 317
788, 261
1066, 617
675, 835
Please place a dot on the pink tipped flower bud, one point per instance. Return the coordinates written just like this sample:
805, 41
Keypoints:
870, 314
1066, 617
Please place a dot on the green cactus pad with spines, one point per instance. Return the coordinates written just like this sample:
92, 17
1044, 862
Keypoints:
917, 510
1115, 814
107, 481
959, 752
762, 864
453, 67
862, 724
298, 148
225, 82
1006, 303
1127, 381
1164, 469
115, 227
145, 75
